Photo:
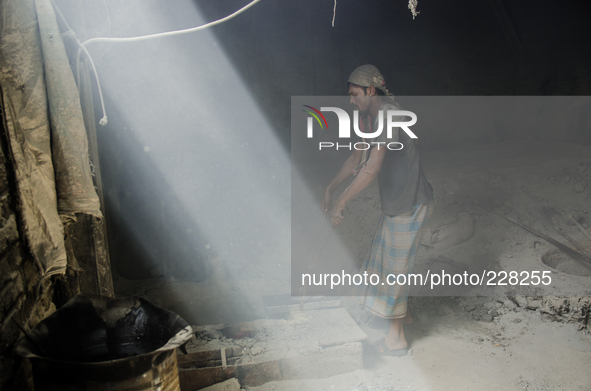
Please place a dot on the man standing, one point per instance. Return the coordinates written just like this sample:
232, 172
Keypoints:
406, 200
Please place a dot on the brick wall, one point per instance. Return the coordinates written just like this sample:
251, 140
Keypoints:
24, 297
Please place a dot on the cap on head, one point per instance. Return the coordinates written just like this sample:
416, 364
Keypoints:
368, 76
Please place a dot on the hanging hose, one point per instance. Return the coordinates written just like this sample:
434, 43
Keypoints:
334, 12
82, 45
172, 33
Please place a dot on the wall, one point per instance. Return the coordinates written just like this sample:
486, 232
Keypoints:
162, 90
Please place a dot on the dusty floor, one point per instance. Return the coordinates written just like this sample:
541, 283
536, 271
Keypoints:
451, 351
528, 341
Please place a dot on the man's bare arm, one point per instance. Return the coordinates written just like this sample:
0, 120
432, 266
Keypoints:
360, 183
345, 172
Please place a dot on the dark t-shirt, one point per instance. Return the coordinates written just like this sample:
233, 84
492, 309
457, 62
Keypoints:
401, 179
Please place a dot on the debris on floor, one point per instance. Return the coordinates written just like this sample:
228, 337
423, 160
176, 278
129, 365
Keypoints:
314, 344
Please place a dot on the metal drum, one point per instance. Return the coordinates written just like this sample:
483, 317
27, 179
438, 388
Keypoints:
102, 344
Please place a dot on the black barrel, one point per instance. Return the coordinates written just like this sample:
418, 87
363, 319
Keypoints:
95, 343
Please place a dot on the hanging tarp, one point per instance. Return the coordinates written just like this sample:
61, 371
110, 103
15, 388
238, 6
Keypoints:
75, 190
45, 129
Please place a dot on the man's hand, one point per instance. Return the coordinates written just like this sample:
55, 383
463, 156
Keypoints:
326, 201
337, 215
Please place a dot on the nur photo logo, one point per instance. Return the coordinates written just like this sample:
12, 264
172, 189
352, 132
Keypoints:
394, 119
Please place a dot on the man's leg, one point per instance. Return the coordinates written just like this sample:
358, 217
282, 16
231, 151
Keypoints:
407, 319
395, 338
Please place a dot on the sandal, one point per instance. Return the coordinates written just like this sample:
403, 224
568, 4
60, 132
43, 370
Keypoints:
383, 349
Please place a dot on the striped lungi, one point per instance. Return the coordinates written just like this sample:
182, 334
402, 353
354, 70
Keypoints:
393, 251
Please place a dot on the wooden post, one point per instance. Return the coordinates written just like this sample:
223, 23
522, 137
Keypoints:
96, 228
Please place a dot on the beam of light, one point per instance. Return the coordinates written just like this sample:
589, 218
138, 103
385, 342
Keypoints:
194, 123
195, 140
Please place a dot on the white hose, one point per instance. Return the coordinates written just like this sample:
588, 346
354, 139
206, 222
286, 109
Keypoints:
82, 46
172, 33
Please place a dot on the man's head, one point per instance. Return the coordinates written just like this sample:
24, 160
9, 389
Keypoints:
365, 83
369, 76
362, 97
